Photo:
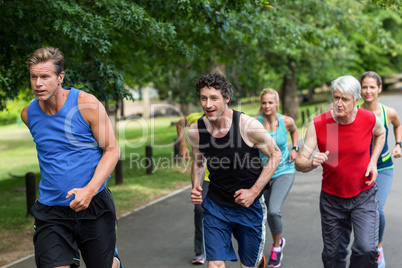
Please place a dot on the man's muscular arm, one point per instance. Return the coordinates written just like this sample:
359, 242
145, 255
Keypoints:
254, 134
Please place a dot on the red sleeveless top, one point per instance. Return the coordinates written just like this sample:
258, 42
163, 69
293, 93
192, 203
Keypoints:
349, 153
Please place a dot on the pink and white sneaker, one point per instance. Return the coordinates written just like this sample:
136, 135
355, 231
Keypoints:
275, 259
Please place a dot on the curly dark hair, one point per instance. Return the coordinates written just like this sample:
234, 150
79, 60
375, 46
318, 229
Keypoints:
217, 81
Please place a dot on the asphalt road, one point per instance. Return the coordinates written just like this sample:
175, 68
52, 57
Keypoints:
161, 234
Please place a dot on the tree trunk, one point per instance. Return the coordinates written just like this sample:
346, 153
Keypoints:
310, 94
185, 108
121, 104
290, 101
146, 102
218, 67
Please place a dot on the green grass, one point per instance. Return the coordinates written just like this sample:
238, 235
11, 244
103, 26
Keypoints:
17, 151
18, 156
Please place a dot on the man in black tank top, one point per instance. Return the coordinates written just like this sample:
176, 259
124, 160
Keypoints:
227, 141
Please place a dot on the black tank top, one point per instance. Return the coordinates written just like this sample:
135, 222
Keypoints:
232, 164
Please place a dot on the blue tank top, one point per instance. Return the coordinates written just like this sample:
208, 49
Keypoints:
384, 160
68, 153
280, 136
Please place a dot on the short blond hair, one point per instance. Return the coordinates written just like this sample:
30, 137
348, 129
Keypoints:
272, 91
48, 53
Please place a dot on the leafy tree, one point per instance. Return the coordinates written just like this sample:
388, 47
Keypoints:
378, 44
312, 42
110, 43
208, 29
385, 3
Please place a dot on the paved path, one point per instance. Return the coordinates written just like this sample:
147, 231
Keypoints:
161, 234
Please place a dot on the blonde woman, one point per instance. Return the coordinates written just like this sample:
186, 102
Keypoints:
279, 186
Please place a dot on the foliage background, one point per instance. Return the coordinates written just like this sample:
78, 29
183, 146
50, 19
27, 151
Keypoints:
112, 45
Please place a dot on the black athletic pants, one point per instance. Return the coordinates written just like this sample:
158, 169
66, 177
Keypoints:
338, 217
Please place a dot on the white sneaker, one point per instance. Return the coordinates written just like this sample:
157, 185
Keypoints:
381, 259
199, 259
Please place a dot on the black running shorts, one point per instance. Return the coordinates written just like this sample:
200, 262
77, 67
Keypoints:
60, 233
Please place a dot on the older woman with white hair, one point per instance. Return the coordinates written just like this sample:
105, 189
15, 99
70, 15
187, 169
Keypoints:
348, 195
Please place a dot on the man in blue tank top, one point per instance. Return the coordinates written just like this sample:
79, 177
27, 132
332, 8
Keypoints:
228, 142
77, 152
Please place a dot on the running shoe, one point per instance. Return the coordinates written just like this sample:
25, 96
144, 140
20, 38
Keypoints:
262, 262
116, 255
381, 259
199, 259
275, 259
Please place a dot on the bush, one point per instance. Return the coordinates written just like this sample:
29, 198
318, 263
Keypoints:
11, 114
8, 117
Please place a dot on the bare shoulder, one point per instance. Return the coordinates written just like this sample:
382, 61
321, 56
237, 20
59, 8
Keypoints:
287, 120
85, 97
252, 130
193, 136
310, 140
246, 120
25, 110
193, 126
309, 131
90, 107
389, 109
311, 125
378, 128
24, 115
248, 125
391, 114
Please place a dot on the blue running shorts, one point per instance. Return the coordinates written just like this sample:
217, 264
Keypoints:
247, 226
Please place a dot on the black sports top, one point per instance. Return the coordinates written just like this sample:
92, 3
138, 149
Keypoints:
232, 164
